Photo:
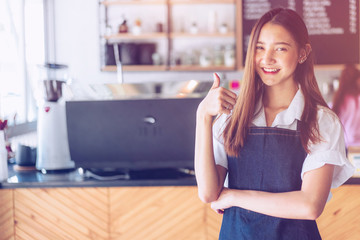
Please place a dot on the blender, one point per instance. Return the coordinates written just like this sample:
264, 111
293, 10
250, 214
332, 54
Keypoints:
53, 147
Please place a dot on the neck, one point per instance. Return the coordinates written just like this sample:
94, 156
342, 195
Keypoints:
276, 97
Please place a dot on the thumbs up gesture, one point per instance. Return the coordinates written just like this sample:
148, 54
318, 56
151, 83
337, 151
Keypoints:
218, 100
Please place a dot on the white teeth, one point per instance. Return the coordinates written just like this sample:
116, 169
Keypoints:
271, 69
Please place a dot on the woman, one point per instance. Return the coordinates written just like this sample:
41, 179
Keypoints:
346, 104
279, 143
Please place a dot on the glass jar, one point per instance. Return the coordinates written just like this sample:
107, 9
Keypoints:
189, 58
205, 58
229, 55
218, 55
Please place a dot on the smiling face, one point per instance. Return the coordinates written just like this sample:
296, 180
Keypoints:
277, 56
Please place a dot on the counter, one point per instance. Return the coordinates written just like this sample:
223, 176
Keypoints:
70, 205
76, 178
157, 205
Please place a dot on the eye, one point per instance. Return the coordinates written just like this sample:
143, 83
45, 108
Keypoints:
259, 47
281, 49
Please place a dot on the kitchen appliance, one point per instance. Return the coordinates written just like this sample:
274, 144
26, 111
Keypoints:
53, 148
142, 134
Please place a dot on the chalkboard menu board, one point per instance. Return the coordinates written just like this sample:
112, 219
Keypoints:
333, 26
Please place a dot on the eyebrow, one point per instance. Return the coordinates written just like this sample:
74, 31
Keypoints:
278, 43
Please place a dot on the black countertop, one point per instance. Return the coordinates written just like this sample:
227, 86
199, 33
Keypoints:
79, 178
353, 180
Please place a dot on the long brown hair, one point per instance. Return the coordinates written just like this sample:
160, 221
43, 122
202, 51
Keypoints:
347, 86
252, 87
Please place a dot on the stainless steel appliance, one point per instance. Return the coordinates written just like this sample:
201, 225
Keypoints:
53, 148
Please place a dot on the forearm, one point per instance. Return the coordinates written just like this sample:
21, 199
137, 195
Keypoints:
307, 203
295, 205
207, 176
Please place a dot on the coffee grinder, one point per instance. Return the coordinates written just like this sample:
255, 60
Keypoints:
53, 147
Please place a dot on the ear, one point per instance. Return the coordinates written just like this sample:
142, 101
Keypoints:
304, 53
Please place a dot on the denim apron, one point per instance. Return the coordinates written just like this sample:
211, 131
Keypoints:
270, 160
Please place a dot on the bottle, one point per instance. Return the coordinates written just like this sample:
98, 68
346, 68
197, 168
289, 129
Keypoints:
193, 28
137, 27
159, 27
109, 30
123, 28
175, 59
156, 58
3, 158
223, 28
212, 22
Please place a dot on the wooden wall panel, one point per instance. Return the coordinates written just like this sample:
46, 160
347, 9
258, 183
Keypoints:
6, 214
341, 216
134, 213
156, 213
340, 219
61, 213
213, 223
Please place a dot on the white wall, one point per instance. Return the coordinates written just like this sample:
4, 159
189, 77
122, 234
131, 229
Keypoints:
77, 39
77, 45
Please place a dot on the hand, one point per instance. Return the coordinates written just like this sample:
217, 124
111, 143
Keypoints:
218, 100
223, 201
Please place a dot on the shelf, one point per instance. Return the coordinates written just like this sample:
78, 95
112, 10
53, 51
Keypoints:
172, 2
168, 41
133, 36
133, 2
136, 68
163, 2
204, 35
201, 68
172, 35
141, 68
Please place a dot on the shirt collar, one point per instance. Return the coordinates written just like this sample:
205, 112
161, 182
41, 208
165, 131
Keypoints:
284, 118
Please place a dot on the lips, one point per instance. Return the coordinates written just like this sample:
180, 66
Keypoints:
270, 70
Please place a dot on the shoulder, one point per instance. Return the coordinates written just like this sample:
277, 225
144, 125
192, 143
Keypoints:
327, 117
330, 149
330, 130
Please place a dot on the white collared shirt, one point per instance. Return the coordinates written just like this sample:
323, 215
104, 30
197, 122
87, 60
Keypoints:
331, 150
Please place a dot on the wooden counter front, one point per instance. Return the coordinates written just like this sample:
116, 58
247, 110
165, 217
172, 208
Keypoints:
341, 216
141, 213
7, 214
136, 213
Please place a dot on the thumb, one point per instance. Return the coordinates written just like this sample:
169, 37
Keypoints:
216, 83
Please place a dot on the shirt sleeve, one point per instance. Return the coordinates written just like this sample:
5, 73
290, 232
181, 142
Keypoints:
218, 142
331, 149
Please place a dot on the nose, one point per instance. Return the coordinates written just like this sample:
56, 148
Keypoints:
268, 57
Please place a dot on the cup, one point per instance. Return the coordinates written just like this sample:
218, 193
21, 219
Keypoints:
25, 156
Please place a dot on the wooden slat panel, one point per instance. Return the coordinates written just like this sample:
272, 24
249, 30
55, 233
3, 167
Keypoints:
340, 219
141, 213
213, 223
341, 216
157, 213
6, 214
61, 213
